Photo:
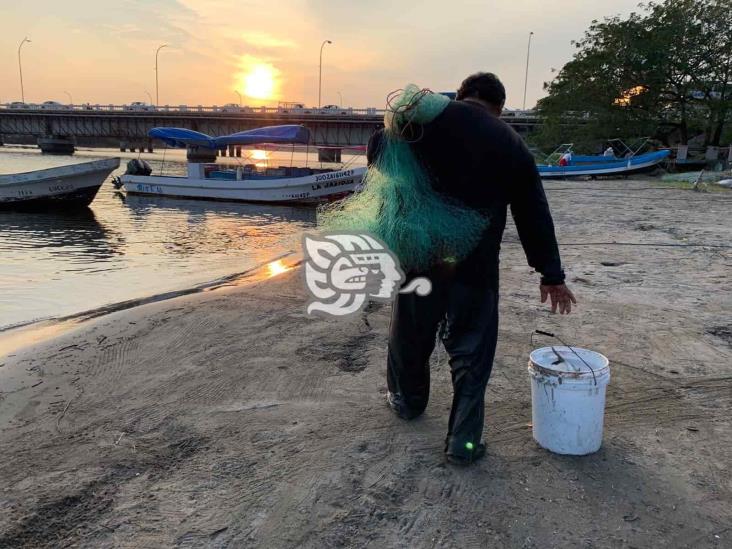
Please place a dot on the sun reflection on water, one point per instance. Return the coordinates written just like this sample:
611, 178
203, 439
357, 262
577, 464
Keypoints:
276, 268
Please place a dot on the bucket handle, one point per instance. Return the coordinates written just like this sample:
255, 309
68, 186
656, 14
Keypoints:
549, 334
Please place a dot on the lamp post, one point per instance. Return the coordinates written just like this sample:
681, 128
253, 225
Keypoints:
237, 93
20, 69
71, 99
341, 97
526, 78
320, 72
157, 92
149, 96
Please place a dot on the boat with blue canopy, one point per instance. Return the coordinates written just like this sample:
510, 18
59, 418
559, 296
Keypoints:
624, 160
607, 167
247, 182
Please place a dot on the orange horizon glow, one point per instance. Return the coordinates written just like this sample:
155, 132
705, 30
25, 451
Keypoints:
628, 95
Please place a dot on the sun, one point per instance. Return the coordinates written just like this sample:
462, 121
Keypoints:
257, 78
259, 82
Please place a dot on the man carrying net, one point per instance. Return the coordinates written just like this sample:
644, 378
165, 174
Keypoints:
442, 175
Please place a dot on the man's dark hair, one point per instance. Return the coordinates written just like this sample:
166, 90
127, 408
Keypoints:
485, 86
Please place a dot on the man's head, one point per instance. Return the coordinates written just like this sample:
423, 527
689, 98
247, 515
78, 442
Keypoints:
486, 87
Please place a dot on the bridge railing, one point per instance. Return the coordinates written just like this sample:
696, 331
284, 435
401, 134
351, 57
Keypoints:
215, 109
184, 109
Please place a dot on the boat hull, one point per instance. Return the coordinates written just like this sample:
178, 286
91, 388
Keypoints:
80, 198
637, 164
308, 189
63, 187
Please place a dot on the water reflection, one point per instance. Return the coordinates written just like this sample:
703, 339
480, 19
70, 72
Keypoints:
131, 247
144, 205
77, 235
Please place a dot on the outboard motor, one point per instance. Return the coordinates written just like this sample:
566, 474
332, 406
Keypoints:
134, 167
138, 167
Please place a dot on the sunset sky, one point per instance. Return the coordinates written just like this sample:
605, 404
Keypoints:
104, 51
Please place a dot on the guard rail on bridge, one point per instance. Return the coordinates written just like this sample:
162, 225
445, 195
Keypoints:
128, 125
226, 109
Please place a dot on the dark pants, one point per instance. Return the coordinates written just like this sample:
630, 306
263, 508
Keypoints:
470, 312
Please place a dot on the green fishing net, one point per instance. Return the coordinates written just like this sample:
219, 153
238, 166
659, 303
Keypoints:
397, 203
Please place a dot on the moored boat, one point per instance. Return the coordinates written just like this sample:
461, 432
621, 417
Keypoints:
246, 183
62, 187
605, 166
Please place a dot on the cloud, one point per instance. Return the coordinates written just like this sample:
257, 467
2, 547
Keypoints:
264, 40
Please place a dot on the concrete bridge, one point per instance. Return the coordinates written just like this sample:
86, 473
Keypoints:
61, 126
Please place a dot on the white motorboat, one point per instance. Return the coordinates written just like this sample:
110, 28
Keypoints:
62, 187
206, 180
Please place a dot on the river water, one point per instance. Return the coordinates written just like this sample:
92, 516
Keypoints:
128, 247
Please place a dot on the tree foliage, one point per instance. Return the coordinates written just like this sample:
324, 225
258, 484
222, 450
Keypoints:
665, 71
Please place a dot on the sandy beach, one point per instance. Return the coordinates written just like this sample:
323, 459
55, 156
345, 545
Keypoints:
231, 419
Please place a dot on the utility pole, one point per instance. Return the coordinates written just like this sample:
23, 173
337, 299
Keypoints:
526, 78
20, 69
320, 72
157, 92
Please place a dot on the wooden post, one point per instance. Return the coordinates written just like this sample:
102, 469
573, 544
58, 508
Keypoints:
329, 155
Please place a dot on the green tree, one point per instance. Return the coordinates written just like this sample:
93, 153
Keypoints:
663, 72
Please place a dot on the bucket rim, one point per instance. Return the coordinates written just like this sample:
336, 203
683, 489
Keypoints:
585, 372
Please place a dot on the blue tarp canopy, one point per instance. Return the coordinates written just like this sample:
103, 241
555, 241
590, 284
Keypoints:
291, 133
182, 137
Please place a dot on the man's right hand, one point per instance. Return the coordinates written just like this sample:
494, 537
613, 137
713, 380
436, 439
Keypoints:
561, 297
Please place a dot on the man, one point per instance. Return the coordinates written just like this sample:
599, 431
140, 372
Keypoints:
477, 159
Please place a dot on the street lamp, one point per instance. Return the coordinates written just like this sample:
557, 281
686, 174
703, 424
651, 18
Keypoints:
149, 96
71, 99
526, 78
341, 97
20, 69
237, 93
320, 72
157, 93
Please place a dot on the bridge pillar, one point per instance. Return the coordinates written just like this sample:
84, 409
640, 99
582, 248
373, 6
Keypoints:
56, 145
200, 155
329, 155
238, 149
232, 150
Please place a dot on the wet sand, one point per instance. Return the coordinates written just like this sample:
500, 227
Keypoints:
231, 419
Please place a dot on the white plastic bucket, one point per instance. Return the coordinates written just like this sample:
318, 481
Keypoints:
568, 398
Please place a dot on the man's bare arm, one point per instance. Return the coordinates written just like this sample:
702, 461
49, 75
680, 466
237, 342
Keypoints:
560, 296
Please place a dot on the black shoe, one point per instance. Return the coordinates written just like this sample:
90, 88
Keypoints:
396, 402
467, 457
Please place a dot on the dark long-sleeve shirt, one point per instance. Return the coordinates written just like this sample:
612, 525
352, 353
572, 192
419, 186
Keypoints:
478, 159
